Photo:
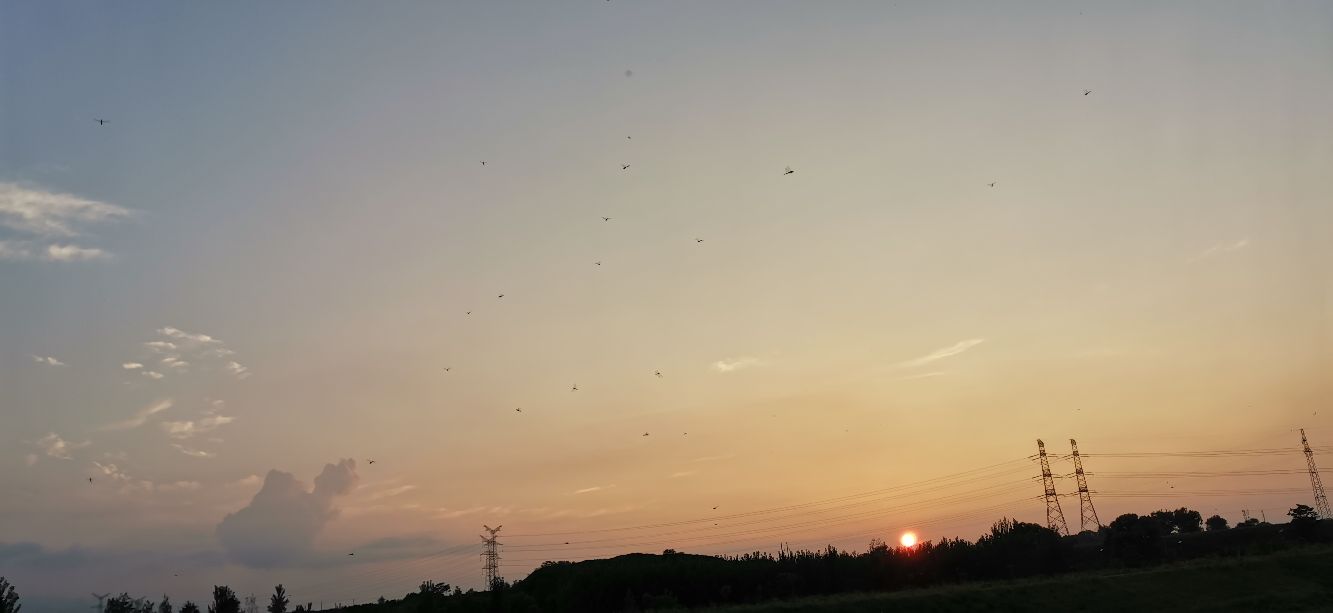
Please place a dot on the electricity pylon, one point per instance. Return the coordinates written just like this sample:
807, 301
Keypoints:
491, 557
1087, 514
1320, 499
1055, 518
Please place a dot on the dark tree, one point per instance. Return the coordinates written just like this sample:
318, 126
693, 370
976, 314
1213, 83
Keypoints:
9, 599
1180, 520
1135, 540
1216, 523
278, 602
224, 601
121, 604
1249, 523
146, 606
1304, 522
189, 607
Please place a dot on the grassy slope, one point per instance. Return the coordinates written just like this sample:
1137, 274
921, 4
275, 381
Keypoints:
1300, 580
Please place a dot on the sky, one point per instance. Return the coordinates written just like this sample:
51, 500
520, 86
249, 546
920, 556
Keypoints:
281, 258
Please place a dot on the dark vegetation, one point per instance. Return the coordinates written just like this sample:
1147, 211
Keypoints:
1011, 550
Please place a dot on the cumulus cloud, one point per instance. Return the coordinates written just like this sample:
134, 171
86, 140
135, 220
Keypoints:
131, 366
946, 352
141, 416
1220, 249
734, 364
54, 446
279, 526
40, 215
47, 360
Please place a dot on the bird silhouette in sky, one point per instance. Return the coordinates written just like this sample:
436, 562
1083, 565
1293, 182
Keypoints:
789, 171
597, 263
90, 479
658, 373
469, 312
575, 388
371, 462
624, 166
1086, 92
698, 240
606, 219
351, 554
101, 122
645, 434
500, 296
483, 162
519, 410
446, 368
992, 184
714, 508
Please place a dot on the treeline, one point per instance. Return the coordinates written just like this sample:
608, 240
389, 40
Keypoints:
641, 582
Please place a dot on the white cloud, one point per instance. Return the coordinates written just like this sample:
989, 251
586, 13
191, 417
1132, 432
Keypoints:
194, 453
237, 369
180, 486
57, 447
595, 488
175, 362
131, 366
177, 333
153, 374
191, 428
42, 213
73, 253
247, 481
734, 364
947, 352
141, 416
48, 360
1221, 248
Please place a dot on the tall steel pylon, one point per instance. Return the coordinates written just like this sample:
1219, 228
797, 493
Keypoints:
1055, 518
1087, 514
491, 557
1320, 499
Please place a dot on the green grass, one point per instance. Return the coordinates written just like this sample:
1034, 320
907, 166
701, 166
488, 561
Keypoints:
1296, 580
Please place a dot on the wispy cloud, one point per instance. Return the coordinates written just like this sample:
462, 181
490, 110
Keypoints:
391, 492
131, 366
41, 215
54, 446
212, 419
194, 453
141, 416
714, 458
47, 360
924, 375
176, 348
153, 374
946, 352
734, 364
1221, 248
595, 488
683, 473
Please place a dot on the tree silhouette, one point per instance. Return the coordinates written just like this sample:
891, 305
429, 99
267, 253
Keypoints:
278, 602
121, 604
1135, 540
9, 598
189, 607
1304, 522
224, 601
1180, 520
1216, 523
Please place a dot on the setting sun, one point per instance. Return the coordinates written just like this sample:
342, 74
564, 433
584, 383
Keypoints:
908, 539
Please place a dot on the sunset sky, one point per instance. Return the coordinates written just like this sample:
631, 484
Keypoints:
265, 260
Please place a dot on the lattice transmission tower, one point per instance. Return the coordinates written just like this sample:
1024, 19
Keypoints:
1320, 499
1055, 518
1087, 515
491, 557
